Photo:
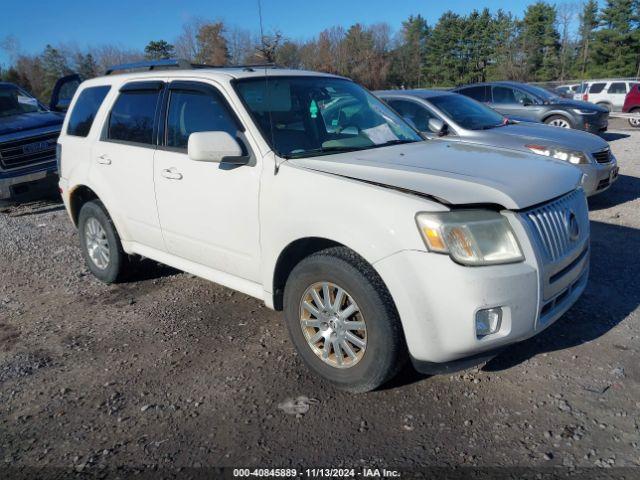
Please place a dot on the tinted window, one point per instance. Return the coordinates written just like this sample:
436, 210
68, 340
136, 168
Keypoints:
133, 115
468, 113
596, 87
193, 111
415, 114
85, 109
504, 95
480, 93
618, 87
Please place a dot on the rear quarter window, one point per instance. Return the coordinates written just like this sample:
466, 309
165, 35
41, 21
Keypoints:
85, 109
596, 87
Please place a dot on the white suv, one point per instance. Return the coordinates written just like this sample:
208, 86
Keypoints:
304, 190
609, 94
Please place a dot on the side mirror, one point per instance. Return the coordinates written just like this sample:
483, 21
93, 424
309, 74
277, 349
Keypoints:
216, 147
526, 102
438, 127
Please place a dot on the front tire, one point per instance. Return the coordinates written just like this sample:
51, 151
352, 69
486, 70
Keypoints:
342, 320
100, 243
558, 121
635, 122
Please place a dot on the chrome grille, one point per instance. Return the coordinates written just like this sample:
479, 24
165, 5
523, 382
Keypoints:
603, 156
28, 151
559, 227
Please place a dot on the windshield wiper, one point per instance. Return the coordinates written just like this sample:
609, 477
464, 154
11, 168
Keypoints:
322, 151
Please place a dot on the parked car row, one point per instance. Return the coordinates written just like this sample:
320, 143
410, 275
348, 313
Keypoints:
461, 119
614, 95
432, 228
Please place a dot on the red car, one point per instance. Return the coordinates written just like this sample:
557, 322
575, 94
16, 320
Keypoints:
632, 105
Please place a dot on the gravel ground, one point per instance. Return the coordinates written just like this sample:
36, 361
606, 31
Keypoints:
173, 371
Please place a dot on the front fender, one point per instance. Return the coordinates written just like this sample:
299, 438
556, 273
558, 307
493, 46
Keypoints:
371, 220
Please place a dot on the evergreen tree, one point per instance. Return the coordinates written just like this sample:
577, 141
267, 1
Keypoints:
159, 50
409, 56
586, 31
616, 46
54, 66
86, 66
540, 41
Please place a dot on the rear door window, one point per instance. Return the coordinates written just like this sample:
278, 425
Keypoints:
416, 114
618, 87
596, 87
85, 109
504, 95
479, 93
133, 115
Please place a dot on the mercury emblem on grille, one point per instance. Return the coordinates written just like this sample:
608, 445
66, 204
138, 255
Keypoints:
573, 226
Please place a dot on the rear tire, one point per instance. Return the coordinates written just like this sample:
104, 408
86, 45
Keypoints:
635, 122
558, 121
362, 320
608, 106
100, 243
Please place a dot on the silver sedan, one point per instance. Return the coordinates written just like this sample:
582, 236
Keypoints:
438, 113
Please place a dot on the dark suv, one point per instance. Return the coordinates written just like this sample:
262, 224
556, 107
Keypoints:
28, 135
533, 103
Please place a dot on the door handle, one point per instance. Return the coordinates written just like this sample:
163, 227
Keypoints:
171, 174
104, 159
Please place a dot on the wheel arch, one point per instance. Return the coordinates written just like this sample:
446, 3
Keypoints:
290, 256
558, 113
80, 195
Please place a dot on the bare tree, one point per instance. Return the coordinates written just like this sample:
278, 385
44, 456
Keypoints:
186, 45
241, 44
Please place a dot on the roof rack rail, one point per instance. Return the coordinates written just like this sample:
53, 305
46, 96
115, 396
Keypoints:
179, 63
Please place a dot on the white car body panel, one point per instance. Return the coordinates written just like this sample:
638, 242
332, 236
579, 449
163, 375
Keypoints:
232, 225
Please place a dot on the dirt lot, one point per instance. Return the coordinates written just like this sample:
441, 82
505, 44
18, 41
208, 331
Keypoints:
173, 371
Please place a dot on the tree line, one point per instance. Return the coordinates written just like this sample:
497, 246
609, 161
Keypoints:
543, 45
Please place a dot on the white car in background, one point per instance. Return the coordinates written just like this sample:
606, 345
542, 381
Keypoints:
609, 94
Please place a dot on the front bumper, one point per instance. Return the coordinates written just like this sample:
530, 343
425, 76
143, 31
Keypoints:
594, 123
598, 177
16, 184
437, 301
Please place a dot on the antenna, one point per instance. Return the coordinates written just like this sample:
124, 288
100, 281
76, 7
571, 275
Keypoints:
266, 81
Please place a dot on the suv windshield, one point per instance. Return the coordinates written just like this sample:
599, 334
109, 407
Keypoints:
311, 116
15, 101
467, 113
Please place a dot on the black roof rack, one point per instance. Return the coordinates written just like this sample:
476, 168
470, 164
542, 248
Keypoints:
178, 63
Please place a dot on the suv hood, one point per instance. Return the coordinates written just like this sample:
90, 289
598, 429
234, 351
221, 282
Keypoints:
579, 104
29, 121
455, 173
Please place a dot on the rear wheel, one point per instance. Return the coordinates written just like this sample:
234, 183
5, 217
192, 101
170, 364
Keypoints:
342, 320
608, 106
635, 122
558, 121
100, 243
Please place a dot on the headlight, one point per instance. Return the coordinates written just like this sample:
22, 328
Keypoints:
470, 237
583, 112
570, 156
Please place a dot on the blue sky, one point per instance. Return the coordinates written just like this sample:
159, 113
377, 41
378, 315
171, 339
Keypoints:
132, 23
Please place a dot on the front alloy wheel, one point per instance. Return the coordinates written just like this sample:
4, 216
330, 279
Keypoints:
559, 122
333, 325
343, 321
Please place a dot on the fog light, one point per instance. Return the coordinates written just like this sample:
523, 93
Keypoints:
488, 321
